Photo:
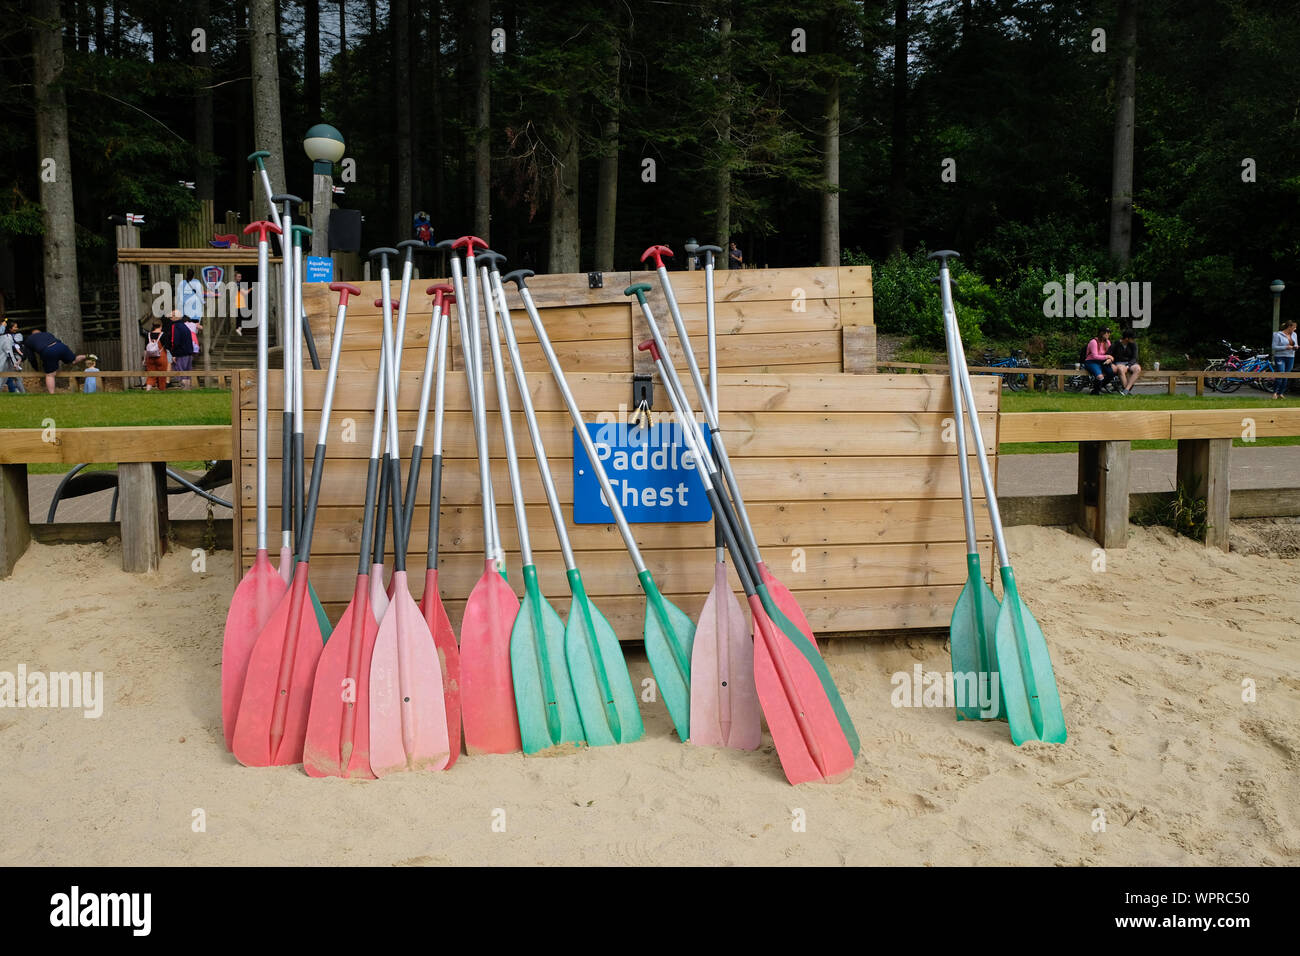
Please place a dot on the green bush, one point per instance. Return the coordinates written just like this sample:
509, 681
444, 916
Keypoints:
907, 301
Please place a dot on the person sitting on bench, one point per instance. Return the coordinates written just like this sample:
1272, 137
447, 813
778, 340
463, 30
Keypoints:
1125, 354
1098, 362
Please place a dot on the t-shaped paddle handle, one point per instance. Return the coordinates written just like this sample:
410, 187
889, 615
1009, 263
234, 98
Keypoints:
379, 304
468, 243
943, 254
639, 290
344, 289
286, 197
712, 251
493, 259
410, 245
442, 294
259, 157
649, 346
298, 232
261, 227
658, 252
518, 277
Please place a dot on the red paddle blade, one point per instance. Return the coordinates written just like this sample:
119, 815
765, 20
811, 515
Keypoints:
444, 639
252, 606
724, 701
408, 719
338, 724
272, 721
486, 686
804, 727
786, 603
378, 596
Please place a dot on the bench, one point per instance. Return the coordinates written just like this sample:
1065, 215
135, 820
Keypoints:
141, 454
1204, 442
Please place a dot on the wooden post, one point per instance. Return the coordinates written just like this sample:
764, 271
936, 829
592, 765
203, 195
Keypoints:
128, 305
15, 529
1103, 491
142, 500
1173, 383
1203, 473
1200, 384
859, 349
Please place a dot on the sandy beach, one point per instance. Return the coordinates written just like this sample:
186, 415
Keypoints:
1153, 656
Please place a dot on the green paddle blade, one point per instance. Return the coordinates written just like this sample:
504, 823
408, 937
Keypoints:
326, 628
974, 658
809, 650
669, 635
606, 698
1033, 703
548, 712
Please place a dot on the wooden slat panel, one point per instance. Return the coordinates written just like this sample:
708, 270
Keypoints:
790, 435
1082, 426
1232, 422
75, 445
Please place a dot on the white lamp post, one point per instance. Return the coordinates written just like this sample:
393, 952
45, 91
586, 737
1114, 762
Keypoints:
1276, 287
324, 147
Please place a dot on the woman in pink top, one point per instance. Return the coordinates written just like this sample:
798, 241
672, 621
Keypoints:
1098, 361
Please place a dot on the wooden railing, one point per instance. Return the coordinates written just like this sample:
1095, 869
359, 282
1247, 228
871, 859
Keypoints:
1173, 377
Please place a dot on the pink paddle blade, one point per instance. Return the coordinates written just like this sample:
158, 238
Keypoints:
338, 724
805, 729
252, 606
408, 718
378, 596
444, 639
724, 701
286, 564
486, 687
272, 721
786, 603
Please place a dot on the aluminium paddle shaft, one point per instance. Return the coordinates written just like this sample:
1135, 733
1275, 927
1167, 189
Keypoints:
958, 412
262, 227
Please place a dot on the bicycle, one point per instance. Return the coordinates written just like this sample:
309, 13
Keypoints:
1081, 380
1014, 381
1230, 363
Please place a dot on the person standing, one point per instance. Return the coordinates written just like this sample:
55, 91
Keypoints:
11, 357
192, 297
735, 258
155, 359
181, 346
51, 352
90, 384
1284, 346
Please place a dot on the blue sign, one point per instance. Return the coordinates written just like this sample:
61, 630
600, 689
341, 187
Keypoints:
319, 269
652, 472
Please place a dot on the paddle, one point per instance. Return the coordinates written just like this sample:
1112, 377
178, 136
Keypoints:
974, 617
338, 724
547, 710
800, 640
299, 484
801, 714
668, 632
486, 685
262, 587
271, 726
602, 686
435, 615
780, 593
408, 716
379, 592
1026, 679
288, 359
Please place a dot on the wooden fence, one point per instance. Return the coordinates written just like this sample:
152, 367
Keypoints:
803, 321
851, 486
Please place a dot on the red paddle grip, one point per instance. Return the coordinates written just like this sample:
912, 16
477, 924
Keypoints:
658, 252
262, 227
344, 289
469, 241
649, 346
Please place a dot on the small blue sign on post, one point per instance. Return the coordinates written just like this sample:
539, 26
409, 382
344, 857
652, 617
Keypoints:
652, 472
319, 269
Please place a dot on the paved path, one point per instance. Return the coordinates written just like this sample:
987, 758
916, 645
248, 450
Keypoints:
1275, 466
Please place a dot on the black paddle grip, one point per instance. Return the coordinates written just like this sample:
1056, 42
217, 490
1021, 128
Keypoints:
435, 507
399, 526
368, 518
313, 496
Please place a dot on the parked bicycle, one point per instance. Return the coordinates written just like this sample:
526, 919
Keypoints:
1239, 360
1016, 381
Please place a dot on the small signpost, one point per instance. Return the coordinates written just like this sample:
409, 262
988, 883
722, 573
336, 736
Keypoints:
651, 470
319, 269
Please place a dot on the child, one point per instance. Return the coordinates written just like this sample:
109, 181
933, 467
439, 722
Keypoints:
155, 358
90, 384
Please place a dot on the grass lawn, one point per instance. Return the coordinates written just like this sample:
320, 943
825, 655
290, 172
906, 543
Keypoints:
207, 406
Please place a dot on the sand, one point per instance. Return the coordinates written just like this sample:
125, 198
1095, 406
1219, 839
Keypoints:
1151, 655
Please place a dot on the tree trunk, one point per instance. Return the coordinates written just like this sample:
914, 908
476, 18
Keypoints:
374, 16
830, 196
242, 202
100, 38
607, 172
481, 30
435, 102
62, 300
400, 24
117, 27
565, 235
1121, 188
898, 134
204, 178
311, 59
722, 176
343, 26
266, 87
83, 26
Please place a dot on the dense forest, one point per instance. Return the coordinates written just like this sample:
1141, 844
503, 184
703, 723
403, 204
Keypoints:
1104, 139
